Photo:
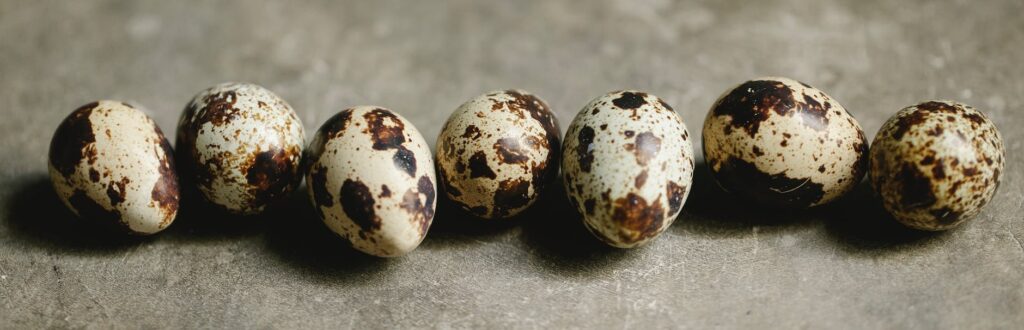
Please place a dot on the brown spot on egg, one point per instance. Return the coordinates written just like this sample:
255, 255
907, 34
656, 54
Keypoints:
640, 179
636, 215
385, 192
905, 123
73, 141
665, 105
510, 152
936, 106
584, 155
165, 193
675, 193
405, 160
472, 132
318, 181
358, 202
478, 166
750, 104
269, 174
812, 113
116, 190
915, 188
89, 209
645, 147
385, 129
738, 175
511, 195
630, 100
589, 205
219, 109
422, 211
945, 216
94, 175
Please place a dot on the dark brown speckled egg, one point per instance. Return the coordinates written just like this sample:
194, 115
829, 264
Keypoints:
497, 152
241, 146
627, 167
371, 179
784, 144
110, 164
936, 164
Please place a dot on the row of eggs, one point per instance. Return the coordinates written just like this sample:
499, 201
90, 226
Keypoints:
626, 160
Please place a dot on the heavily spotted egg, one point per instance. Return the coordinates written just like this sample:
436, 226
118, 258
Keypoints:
627, 165
241, 145
936, 164
371, 178
784, 144
111, 164
497, 152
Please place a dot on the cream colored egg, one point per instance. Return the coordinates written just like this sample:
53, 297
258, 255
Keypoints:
110, 163
782, 143
497, 152
627, 167
371, 179
936, 164
241, 145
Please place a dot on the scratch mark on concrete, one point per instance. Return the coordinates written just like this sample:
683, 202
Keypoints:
1019, 244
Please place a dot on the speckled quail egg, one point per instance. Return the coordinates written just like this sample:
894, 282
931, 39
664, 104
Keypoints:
936, 164
627, 165
497, 152
782, 143
241, 145
111, 164
371, 178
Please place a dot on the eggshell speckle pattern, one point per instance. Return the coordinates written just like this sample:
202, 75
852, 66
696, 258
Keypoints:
627, 167
497, 152
371, 179
783, 144
110, 164
241, 145
936, 164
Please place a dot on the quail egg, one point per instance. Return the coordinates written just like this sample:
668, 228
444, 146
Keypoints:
497, 152
782, 143
110, 164
241, 145
371, 178
627, 165
936, 164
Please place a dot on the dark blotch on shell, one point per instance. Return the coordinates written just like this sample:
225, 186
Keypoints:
116, 191
318, 181
358, 203
511, 194
737, 175
630, 100
645, 148
584, 155
165, 193
636, 215
73, 141
675, 193
915, 188
422, 211
510, 151
478, 166
387, 136
271, 174
751, 103
91, 211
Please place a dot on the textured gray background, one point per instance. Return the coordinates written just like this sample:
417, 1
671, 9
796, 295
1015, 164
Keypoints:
720, 265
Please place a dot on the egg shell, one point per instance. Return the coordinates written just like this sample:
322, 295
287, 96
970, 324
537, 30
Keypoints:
783, 143
936, 164
497, 152
110, 164
241, 145
627, 166
371, 179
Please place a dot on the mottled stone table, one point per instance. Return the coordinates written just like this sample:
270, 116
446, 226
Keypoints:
722, 264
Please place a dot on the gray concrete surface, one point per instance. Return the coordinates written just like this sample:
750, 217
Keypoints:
721, 265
